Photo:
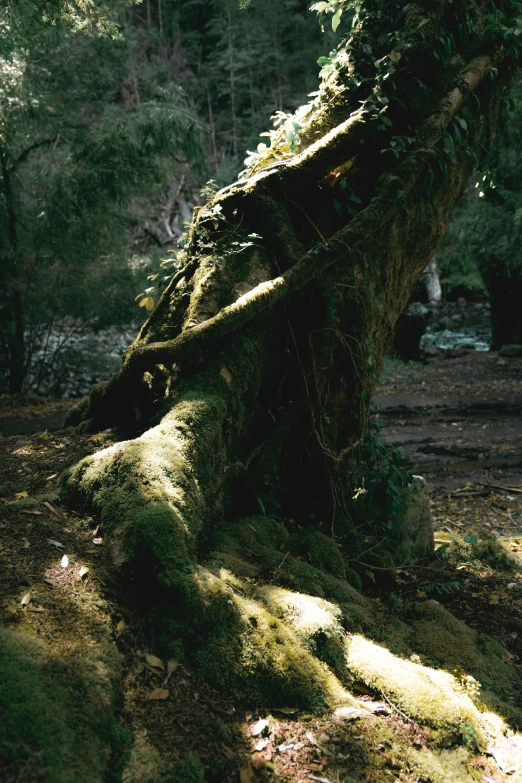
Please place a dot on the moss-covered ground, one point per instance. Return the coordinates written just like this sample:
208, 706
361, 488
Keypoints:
414, 677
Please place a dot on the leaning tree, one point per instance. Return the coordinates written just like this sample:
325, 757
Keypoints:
245, 399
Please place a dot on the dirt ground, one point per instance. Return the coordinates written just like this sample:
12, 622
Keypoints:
460, 421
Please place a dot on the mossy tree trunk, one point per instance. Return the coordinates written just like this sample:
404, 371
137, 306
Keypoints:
247, 391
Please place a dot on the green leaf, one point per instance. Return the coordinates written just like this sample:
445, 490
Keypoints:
471, 538
387, 121
336, 18
322, 61
421, 24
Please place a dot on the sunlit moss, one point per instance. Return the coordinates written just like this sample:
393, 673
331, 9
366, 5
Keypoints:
431, 696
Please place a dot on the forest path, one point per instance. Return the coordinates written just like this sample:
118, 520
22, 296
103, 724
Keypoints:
461, 422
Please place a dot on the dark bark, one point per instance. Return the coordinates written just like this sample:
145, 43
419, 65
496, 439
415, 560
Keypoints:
505, 292
14, 318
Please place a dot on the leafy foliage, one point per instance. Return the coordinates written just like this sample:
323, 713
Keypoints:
73, 156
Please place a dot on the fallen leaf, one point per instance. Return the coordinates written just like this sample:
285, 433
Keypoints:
20, 495
51, 477
52, 509
36, 609
421, 594
26, 599
97, 541
55, 543
83, 572
45, 436
494, 600
259, 727
36, 513
172, 665
371, 575
246, 772
158, 694
120, 628
26, 542
260, 759
64, 561
261, 744
287, 710
154, 662
310, 737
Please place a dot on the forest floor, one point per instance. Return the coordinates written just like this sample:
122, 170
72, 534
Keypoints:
460, 419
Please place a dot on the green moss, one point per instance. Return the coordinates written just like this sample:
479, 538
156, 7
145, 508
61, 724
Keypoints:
430, 696
446, 766
143, 764
57, 720
190, 770
321, 552
449, 643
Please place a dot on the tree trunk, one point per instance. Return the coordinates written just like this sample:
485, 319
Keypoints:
247, 391
431, 279
505, 292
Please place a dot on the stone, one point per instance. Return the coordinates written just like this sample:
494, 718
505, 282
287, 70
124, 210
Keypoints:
510, 351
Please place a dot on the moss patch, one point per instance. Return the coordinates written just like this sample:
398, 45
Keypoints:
57, 717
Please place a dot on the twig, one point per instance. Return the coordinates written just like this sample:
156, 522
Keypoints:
401, 713
499, 486
283, 560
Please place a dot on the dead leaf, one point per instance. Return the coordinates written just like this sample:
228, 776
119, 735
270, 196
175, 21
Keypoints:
261, 744
494, 600
36, 513
260, 759
52, 509
421, 594
259, 727
51, 477
287, 710
310, 737
154, 662
64, 561
246, 772
97, 541
36, 609
172, 665
26, 599
26, 542
20, 495
83, 572
120, 628
55, 543
158, 694
371, 575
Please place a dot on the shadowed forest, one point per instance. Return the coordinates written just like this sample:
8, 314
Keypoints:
260, 391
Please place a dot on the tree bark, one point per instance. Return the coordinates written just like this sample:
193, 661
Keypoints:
247, 391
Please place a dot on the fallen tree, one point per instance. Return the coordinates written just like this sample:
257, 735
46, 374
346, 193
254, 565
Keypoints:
233, 505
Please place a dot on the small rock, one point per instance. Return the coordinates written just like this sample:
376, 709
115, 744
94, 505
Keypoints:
510, 351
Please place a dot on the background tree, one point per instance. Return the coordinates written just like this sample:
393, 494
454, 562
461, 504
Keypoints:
73, 153
247, 391
485, 237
